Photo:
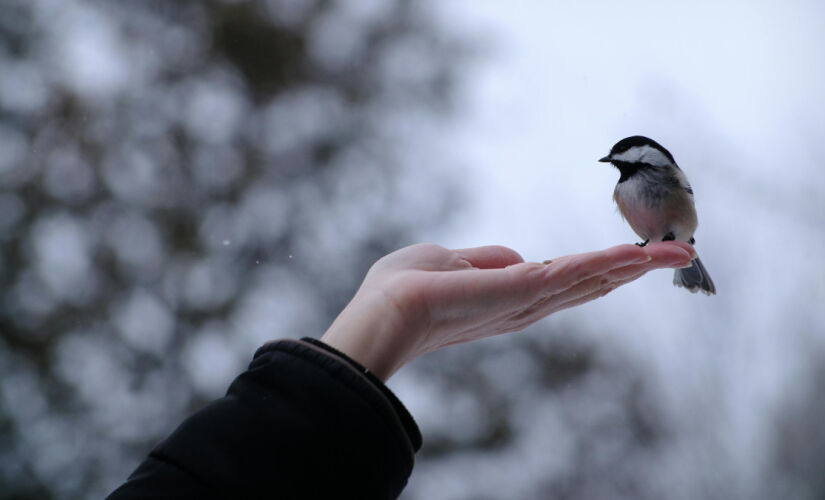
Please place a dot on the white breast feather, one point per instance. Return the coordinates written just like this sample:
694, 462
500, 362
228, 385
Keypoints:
645, 220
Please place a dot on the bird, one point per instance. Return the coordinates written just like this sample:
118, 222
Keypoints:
654, 197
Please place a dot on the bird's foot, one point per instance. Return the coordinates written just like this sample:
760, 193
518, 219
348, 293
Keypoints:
645, 242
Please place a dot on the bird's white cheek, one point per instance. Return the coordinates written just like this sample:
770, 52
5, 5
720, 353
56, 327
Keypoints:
644, 154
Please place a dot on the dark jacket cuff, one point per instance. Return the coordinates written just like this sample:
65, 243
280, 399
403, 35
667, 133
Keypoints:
407, 420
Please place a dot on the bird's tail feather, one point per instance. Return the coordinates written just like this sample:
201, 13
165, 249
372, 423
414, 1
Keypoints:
695, 278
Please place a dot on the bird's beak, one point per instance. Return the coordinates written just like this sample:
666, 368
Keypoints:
606, 159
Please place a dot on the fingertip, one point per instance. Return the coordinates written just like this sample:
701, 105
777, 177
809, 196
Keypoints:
508, 254
669, 254
686, 247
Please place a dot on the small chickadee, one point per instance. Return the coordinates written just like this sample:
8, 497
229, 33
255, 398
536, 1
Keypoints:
654, 197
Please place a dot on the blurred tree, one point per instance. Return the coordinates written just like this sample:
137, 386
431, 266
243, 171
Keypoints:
180, 182
183, 181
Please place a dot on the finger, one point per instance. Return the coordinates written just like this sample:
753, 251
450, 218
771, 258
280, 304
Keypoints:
571, 270
595, 294
670, 256
491, 292
665, 256
524, 283
597, 284
667, 249
591, 287
551, 305
565, 272
490, 257
519, 285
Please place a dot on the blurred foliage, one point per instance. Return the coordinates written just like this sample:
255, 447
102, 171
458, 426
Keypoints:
180, 182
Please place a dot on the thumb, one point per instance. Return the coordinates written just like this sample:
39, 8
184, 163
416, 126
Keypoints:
490, 257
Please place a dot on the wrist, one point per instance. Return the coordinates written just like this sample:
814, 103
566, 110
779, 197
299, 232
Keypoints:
371, 331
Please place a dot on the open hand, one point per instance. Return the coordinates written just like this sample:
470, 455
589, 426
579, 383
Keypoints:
424, 297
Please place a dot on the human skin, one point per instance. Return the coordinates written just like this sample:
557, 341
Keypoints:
424, 297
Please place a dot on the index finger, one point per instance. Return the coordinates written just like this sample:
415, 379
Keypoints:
522, 282
568, 271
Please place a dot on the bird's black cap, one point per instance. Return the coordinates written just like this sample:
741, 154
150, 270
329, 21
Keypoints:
633, 141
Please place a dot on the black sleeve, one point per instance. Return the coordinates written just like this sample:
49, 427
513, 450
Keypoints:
304, 421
